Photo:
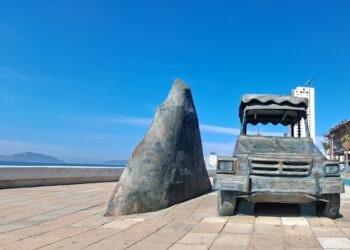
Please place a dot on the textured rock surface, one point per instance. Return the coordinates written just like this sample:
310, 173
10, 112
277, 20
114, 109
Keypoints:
167, 167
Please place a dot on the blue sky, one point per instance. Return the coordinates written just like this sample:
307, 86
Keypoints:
81, 80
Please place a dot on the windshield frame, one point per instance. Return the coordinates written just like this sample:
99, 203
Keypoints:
301, 115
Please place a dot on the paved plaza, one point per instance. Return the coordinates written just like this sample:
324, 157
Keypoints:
71, 217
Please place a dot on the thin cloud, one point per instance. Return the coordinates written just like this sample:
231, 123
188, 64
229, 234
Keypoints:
14, 34
12, 98
219, 130
9, 73
204, 128
100, 136
136, 121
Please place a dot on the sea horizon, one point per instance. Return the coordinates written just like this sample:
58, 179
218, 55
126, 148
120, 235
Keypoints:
60, 164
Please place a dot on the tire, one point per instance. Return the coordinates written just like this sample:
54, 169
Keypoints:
226, 203
331, 208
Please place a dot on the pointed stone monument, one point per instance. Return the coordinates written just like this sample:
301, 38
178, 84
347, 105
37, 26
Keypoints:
167, 166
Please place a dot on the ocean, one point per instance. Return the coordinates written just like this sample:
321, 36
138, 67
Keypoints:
58, 164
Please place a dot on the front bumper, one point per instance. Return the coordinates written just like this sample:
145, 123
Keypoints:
279, 185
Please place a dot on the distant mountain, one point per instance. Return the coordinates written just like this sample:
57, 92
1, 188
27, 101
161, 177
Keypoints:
115, 163
29, 157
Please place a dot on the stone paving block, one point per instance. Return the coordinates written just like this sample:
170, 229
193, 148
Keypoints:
131, 236
34, 230
198, 238
178, 213
321, 222
267, 229
193, 220
328, 232
245, 219
122, 224
334, 242
306, 248
346, 231
214, 219
179, 226
12, 226
29, 243
267, 241
179, 246
294, 221
301, 241
207, 227
110, 243
297, 230
81, 224
93, 221
165, 236
8, 238
231, 241
150, 245
65, 232
205, 211
43, 217
236, 228
83, 240
342, 223
140, 231
268, 220
64, 220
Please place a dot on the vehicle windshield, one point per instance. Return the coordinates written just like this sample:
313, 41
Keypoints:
290, 122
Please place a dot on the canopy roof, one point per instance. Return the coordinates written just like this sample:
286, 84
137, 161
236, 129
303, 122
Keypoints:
273, 109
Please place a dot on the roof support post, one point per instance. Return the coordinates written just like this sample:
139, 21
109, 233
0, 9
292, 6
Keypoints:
244, 124
307, 128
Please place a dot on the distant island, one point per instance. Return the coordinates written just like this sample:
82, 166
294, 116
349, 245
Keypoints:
29, 157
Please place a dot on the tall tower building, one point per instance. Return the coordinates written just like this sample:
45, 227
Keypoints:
309, 93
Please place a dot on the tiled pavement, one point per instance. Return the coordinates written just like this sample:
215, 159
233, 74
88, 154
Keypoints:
71, 217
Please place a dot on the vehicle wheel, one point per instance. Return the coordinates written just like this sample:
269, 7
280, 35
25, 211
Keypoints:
226, 203
331, 208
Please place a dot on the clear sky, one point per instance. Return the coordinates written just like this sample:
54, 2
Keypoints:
80, 80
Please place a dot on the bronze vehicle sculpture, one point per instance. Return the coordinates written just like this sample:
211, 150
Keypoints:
282, 169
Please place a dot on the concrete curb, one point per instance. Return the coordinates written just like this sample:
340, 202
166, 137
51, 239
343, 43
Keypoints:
30, 176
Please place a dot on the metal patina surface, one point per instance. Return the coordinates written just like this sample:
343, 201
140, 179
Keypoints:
167, 167
277, 169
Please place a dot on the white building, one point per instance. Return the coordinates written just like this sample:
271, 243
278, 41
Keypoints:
309, 93
210, 160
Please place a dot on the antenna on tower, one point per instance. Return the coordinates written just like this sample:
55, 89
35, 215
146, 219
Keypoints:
308, 82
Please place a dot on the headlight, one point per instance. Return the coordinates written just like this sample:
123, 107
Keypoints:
227, 164
332, 169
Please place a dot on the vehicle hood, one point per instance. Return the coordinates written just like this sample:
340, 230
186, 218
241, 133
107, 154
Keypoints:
263, 145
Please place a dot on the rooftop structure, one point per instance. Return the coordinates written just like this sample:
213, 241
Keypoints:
334, 136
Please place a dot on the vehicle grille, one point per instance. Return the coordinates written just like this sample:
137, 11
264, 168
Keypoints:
280, 167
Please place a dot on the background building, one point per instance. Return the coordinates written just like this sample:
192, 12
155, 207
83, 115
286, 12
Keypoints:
334, 136
309, 93
210, 160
